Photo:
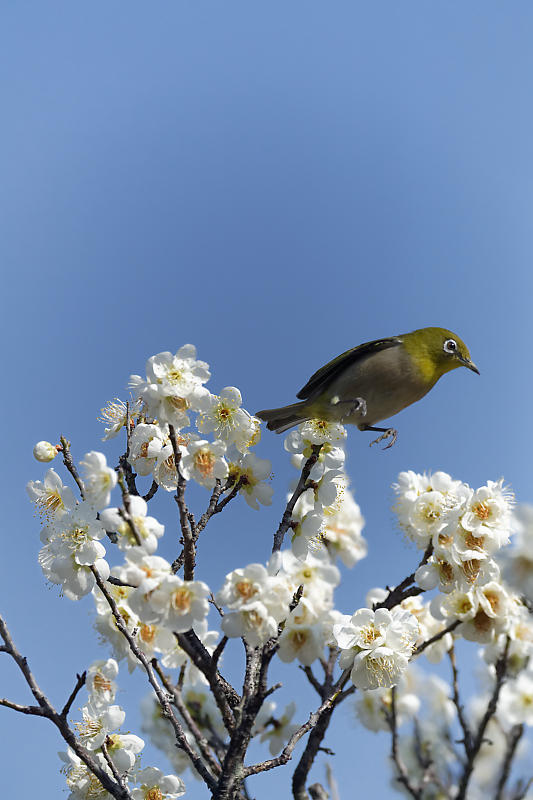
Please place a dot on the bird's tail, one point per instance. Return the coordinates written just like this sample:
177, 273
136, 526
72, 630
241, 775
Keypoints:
281, 419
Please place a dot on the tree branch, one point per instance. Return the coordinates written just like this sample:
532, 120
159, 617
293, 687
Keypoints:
177, 699
501, 669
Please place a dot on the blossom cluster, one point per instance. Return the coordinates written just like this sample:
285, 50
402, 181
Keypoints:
464, 528
113, 751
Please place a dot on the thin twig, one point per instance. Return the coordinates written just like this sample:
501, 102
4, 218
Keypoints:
405, 588
69, 463
513, 737
467, 734
35, 711
114, 771
219, 649
402, 776
151, 491
79, 683
451, 627
125, 512
301, 487
186, 518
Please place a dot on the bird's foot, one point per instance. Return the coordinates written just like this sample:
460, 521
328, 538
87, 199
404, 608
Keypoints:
357, 405
390, 433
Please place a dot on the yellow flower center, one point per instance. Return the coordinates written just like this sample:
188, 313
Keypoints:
298, 638
147, 633
246, 589
48, 504
154, 793
181, 600
100, 683
482, 511
471, 570
204, 461
369, 634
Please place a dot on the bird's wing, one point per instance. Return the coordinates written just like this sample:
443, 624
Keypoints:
326, 374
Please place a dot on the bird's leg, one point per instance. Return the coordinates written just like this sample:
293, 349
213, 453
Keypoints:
358, 404
387, 433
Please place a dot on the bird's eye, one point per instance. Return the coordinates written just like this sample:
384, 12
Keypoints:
450, 346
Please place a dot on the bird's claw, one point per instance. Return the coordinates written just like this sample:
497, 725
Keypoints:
390, 433
358, 404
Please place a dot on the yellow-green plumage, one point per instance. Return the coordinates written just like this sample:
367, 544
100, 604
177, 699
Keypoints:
375, 380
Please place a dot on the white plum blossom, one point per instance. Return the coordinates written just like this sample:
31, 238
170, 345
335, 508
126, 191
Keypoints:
225, 418
100, 682
51, 497
148, 528
115, 416
44, 451
316, 574
343, 525
488, 513
517, 560
146, 443
157, 786
376, 645
71, 546
106, 625
252, 621
80, 780
253, 472
516, 700
331, 456
123, 749
429, 627
322, 431
204, 462
173, 385
99, 479
425, 502
164, 470
305, 634
140, 567
307, 534
373, 708
98, 723
179, 604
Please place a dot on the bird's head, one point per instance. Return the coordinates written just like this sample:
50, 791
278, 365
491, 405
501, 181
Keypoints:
436, 351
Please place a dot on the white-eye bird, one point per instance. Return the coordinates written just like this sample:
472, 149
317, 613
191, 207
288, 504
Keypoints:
374, 381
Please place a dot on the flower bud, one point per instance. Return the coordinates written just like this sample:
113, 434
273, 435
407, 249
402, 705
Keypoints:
44, 451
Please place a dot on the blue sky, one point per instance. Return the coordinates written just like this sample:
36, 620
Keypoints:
275, 183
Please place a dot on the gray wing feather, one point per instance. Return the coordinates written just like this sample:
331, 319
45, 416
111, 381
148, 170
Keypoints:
327, 373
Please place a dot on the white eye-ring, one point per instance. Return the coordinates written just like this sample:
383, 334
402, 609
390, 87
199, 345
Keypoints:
450, 346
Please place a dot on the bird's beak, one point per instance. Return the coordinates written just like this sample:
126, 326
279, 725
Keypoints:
470, 365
